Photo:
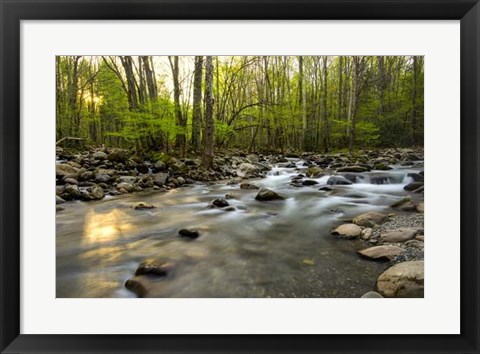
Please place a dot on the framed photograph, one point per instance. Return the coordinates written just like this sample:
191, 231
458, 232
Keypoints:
268, 176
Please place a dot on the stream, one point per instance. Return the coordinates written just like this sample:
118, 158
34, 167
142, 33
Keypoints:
261, 249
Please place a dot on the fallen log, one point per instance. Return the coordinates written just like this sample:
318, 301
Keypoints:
69, 138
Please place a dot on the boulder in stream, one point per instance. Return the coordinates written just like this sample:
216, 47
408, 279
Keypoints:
413, 186
370, 219
402, 280
59, 200
220, 203
246, 170
265, 194
382, 167
128, 187
381, 253
154, 267
191, 234
142, 205
353, 169
246, 185
399, 235
65, 170
372, 295
96, 192
338, 180
405, 204
347, 231
314, 172
421, 207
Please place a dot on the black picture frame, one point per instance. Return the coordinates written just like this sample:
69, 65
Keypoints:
14, 11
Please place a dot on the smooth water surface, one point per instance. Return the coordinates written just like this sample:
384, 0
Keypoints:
262, 249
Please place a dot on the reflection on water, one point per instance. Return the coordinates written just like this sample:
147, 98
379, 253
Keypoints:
104, 227
256, 250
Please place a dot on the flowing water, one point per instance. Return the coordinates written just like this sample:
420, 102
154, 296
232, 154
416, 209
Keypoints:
262, 249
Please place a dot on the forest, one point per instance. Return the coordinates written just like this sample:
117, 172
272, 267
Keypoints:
195, 104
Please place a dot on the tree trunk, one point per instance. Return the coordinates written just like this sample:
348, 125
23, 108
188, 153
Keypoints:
181, 123
303, 103
197, 103
150, 77
352, 104
208, 134
326, 127
413, 116
127, 63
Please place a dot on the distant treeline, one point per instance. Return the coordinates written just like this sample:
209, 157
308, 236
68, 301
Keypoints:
256, 103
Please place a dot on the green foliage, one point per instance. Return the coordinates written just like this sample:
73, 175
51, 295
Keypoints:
258, 103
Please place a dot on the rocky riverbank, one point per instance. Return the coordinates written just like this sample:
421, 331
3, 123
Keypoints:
92, 174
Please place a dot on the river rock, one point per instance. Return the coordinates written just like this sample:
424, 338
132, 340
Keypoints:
314, 172
245, 185
402, 280
338, 180
180, 167
326, 189
400, 235
160, 166
72, 190
64, 170
220, 203
265, 194
154, 267
118, 155
309, 182
405, 204
160, 178
70, 180
142, 168
96, 192
372, 295
252, 158
59, 200
370, 219
142, 205
421, 207
181, 181
413, 186
246, 170
382, 167
99, 155
419, 190
347, 231
352, 169
87, 175
139, 285
415, 244
126, 186
384, 252
102, 177
367, 233
416, 177
192, 234
127, 179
